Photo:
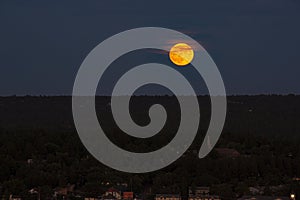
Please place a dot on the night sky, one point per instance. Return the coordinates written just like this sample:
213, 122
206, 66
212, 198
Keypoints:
255, 43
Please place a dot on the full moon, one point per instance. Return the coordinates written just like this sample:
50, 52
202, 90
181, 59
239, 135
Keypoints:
181, 54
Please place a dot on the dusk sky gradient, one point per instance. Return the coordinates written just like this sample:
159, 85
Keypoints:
255, 43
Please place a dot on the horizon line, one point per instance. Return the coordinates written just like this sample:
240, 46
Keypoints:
158, 95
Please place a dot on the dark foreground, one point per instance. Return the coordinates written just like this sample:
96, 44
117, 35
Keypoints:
258, 152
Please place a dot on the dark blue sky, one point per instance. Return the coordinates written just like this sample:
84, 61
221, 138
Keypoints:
255, 43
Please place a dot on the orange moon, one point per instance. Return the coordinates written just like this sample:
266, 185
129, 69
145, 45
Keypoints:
181, 54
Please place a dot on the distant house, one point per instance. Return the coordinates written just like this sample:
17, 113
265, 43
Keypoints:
112, 193
197, 191
296, 179
109, 197
204, 197
127, 195
201, 193
33, 191
263, 198
29, 161
63, 191
255, 190
167, 197
12, 197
